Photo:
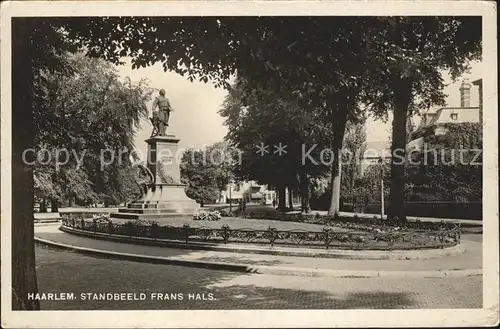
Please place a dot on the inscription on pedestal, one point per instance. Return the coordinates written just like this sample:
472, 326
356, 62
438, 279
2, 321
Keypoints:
163, 159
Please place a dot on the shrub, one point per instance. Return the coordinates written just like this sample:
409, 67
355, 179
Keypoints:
208, 215
101, 219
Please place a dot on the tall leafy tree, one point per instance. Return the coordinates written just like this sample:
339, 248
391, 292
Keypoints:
224, 158
88, 114
451, 168
352, 155
39, 48
408, 56
36, 46
208, 171
199, 174
273, 134
269, 51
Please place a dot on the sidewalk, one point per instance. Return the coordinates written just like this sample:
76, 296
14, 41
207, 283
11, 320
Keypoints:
466, 263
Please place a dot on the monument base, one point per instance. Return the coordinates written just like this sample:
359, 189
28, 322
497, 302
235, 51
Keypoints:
160, 201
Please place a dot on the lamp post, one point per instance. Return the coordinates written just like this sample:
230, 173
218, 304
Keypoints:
230, 199
381, 162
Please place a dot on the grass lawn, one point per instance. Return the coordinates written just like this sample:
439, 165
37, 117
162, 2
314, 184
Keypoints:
242, 223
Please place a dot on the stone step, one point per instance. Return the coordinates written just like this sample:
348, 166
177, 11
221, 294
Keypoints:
146, 210
163, 205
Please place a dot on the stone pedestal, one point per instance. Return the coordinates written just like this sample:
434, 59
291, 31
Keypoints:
163, 160
166, 198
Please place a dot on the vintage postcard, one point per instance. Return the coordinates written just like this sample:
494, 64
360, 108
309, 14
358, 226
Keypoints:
220, 164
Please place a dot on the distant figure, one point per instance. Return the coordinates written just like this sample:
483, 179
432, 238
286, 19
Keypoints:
274, 203
162, 115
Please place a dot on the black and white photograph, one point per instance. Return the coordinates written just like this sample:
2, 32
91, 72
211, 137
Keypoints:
249, 164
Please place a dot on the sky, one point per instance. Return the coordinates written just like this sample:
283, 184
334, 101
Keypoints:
196, 122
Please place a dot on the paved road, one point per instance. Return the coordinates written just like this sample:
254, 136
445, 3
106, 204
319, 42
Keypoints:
69, 272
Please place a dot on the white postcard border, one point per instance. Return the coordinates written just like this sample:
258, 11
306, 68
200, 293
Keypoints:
263, 318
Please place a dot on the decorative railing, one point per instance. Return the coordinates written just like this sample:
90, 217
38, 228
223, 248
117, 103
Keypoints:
326, 238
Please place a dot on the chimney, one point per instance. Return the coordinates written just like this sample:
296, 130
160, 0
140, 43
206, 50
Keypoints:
465, 93
479, 83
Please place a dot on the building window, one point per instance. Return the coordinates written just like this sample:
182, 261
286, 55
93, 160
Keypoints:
454, 116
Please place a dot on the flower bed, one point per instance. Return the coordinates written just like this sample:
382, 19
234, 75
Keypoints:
382, 238
208, 215
353, 223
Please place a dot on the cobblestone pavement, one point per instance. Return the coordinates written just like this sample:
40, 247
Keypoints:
470, 259
70, 272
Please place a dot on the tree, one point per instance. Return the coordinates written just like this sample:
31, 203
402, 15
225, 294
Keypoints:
92, 116
368, 186
29, 49
395, 61
200, 176
268, 51
224, 158
272, 131
408, 56
451, 168
352, 155
39, 47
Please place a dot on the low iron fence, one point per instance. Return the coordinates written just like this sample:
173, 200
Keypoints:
326, 238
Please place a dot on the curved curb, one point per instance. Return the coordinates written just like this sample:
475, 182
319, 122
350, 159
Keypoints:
279, 251
257, 269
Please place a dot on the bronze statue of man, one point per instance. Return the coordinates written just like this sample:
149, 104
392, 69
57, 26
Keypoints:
162, 115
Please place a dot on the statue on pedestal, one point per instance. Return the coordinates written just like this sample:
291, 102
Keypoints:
163, 193
161, 116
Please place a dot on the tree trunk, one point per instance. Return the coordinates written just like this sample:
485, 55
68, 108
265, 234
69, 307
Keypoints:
290, 198
43, 205
353, 177
22, 239
403, 91
338, 127
54, 205
304, 192
336, 177
281, 198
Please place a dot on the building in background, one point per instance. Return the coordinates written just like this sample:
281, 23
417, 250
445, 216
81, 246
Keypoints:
463, 113
434, 117
250, 192
439, 117
479, 84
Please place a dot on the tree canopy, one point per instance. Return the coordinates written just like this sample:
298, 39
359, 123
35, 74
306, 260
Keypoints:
208, 171
388, 63
85, 117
